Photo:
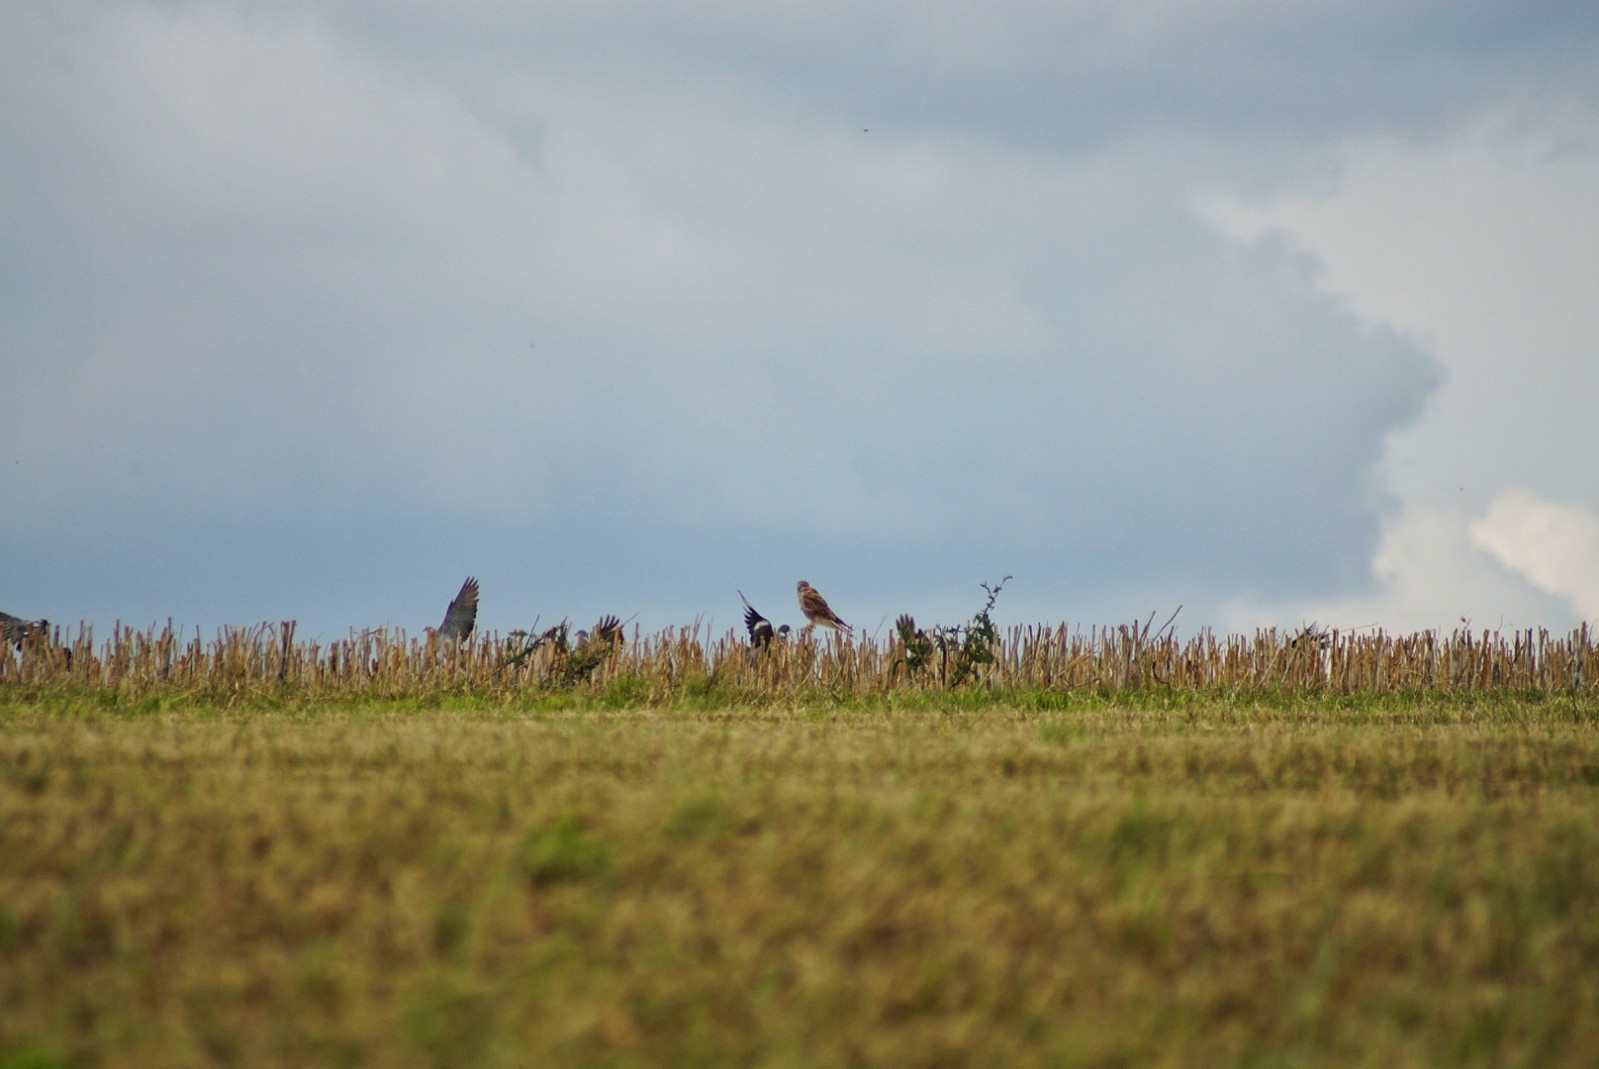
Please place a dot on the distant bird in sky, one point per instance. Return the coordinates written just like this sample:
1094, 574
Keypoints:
759, 627
461, 617
816, 610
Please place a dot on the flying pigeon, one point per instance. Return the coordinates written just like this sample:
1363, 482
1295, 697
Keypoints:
759, 627
461, 616
608, 630
15, 629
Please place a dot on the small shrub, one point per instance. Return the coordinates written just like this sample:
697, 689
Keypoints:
959, 652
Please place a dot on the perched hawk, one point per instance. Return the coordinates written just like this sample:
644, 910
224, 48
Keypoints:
759, 627
814, 606
461, 616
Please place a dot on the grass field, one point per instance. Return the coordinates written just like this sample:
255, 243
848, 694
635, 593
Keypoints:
1170, 880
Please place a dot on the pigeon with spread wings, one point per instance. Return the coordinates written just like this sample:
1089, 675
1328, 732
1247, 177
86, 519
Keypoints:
461, 617
759, 627
16, 629
816, 610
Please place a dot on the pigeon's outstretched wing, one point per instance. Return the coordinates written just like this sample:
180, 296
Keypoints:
608, 630
14, 628
816, 610
759, 627
461, 617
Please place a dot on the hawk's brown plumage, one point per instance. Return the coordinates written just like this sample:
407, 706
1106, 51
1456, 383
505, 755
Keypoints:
816, 610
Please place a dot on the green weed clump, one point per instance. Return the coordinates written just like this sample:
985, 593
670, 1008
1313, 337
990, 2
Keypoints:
920, 878
958, 654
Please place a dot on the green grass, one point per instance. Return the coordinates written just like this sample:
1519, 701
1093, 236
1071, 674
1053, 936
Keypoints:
1162, 880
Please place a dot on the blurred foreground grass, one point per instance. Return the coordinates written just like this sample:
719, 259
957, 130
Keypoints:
1310, 882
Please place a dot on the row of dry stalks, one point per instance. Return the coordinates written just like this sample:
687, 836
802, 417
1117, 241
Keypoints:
268, 660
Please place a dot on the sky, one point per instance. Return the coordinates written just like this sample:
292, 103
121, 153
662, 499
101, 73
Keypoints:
1273, 312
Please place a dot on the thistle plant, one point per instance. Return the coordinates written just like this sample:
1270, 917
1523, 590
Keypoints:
959, 652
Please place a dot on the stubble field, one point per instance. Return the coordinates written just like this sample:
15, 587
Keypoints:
1046, 879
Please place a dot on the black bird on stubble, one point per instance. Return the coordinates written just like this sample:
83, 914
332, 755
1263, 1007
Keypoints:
759, 627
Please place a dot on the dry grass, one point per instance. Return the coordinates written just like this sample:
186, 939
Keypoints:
1159, 881
251, 664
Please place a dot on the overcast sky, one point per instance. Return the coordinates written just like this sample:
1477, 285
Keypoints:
1278, 312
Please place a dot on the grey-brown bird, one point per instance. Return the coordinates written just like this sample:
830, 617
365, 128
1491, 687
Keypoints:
461, 617
15, 629
816, 610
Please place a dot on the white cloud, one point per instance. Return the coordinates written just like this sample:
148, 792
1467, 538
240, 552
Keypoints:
1483, 245
1426, 574
1555, 546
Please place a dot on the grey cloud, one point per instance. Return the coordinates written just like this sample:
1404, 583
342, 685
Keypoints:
659, 319
1063, 77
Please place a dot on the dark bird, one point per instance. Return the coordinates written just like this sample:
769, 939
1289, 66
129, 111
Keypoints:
816, 610
918, 644
608, 630
592, 649
759, 627
15, 629
461, 617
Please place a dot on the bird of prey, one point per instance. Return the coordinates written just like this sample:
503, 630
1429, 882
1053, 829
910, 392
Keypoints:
15, 629
759, 627
816, 611
461, 616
